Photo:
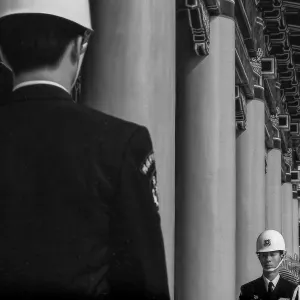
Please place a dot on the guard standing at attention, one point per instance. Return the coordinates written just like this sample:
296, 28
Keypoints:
270, 249
79, 206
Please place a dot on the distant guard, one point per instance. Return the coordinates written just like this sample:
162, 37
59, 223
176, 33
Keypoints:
270, 249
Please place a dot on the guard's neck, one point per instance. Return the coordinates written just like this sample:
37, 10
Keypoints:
271, 275
45, 75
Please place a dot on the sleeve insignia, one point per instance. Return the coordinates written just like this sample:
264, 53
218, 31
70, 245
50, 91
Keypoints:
154, 189
255, 297
147, 164
148, 168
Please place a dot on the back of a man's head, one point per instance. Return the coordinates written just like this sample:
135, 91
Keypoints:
31, 42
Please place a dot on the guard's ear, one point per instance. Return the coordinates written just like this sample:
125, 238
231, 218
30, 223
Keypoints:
78, 44
76, 50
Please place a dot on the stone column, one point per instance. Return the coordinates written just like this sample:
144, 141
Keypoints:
296, 226
205, 164
287, 216
273, 186
129, 72
250, 160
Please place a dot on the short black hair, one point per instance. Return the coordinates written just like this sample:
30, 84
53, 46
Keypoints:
31, 41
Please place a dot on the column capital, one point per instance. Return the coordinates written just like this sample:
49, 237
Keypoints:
243, 68
199, 22
222, 8
227, 8
269, 132
199, 12
274, 118
288, 161
259, 92
240, 109
295, 191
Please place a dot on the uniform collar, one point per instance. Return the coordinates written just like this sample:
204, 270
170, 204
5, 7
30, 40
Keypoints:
274, 281
36, 82
40, 91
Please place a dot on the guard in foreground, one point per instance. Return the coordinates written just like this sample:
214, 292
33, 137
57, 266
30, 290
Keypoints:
79, 206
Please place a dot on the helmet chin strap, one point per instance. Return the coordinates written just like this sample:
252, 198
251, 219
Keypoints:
274, 269
79, 64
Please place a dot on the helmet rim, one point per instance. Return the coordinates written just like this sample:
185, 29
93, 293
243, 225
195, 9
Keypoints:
79, 13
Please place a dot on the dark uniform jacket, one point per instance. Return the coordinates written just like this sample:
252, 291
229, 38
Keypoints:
256, 290
78, 203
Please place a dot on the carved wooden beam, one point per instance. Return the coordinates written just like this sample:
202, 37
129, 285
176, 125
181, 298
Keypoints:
199, 22
269, 142
282, 32
269, 67
275, 123
213, 6
288, 162
285, 171
270, 93
240, 109
274, 18
198, 12
269, 130
243, 72
246, 16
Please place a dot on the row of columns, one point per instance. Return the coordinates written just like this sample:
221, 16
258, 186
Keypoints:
220, 181
287, 216
273, 191
263, 202
251, 208
295, 219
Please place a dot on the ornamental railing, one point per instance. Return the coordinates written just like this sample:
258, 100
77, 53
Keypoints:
290, 270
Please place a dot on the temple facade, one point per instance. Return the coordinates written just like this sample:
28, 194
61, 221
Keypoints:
217, 84
237, 162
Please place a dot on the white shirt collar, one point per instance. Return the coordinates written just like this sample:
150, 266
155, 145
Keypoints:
34, 82
274, 281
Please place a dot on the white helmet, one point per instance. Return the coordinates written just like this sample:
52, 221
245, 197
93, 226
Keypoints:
270, 240
77, 11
